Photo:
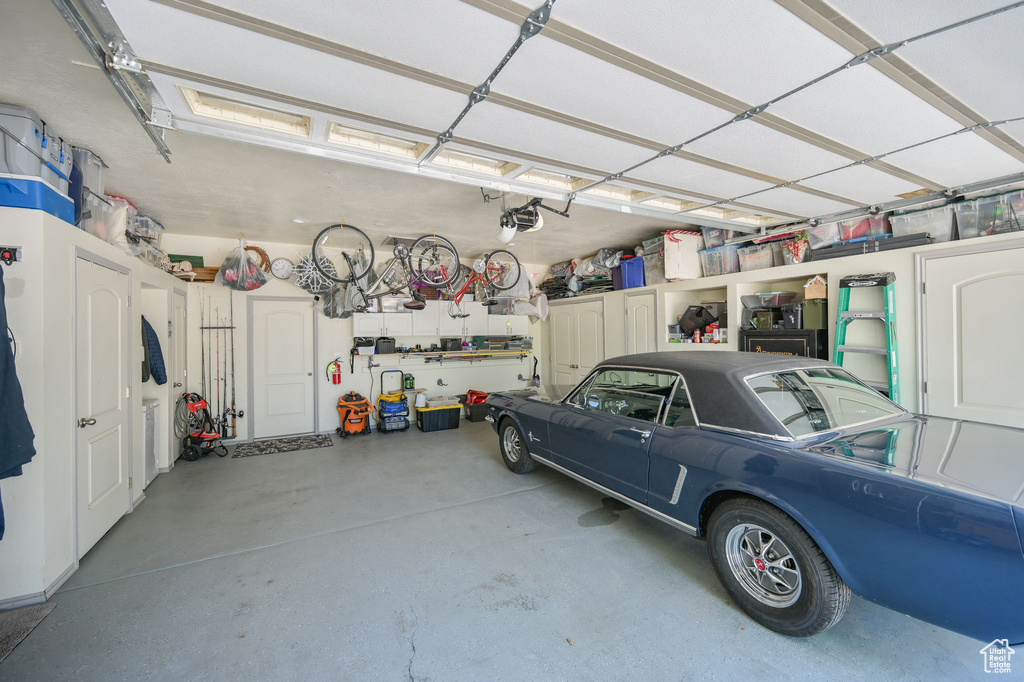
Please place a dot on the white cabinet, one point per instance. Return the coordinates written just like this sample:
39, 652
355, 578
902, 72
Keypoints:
476, 323
398, 324
425, 322
449, 326
367, 324
577, 340
508, 325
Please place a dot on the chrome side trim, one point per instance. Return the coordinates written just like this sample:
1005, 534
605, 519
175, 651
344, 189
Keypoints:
677, 491
729, 429
676, 523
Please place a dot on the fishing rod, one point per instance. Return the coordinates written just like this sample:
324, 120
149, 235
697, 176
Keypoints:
234, 412
217, 343
202, 346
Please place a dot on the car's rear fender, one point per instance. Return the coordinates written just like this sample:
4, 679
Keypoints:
728, 489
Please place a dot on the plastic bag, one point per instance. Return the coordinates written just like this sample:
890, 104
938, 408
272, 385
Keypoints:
334, 303
608, 258
540, 304
238, 272
563, 269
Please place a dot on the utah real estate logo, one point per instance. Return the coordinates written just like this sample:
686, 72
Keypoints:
997, 655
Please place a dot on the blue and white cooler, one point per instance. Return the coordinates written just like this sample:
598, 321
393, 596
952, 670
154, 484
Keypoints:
35, 164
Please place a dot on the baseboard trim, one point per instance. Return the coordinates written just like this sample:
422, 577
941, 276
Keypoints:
24, 600
137, 502
61, 579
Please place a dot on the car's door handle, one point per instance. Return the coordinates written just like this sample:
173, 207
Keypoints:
644, 433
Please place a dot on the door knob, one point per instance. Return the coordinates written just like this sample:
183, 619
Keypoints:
83, 422
309, 374
177, 384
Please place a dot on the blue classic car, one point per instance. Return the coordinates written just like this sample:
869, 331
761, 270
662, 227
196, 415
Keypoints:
805, 483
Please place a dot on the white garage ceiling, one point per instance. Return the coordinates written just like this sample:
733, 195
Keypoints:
605, 87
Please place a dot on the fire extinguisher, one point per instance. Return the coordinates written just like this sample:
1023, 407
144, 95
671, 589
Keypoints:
334, 371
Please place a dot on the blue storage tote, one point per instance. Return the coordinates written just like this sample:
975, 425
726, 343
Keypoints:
632, 273
26, 193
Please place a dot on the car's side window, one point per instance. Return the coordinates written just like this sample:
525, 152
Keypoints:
680, 412
637, 394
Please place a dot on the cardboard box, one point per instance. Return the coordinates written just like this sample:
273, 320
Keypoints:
816, 287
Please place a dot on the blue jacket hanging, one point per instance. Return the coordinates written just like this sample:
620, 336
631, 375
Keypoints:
16, 448
156, 356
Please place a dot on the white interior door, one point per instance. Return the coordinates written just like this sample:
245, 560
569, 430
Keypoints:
972, 335
102, 443
589, 336
641, 323
562, 341
283, 399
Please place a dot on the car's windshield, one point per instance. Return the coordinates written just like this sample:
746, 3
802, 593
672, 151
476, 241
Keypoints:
809, 400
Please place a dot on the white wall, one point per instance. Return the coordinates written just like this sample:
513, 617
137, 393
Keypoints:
334, 339
38, 549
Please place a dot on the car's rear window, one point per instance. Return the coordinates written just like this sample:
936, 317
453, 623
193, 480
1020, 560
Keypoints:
809, 400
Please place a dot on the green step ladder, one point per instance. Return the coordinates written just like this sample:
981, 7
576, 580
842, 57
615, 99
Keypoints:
886, 280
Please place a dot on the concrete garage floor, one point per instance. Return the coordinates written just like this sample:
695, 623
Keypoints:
420, 557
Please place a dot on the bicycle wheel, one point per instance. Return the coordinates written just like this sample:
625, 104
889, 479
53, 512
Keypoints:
503, 270
347, 250
434, 260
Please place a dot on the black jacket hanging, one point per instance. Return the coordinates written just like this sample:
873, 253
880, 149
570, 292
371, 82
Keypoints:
16, 448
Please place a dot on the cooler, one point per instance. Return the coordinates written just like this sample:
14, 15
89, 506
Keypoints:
20, 153
22, 192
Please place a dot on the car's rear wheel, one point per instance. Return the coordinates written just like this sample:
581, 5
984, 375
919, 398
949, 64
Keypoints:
773, 570
513, 448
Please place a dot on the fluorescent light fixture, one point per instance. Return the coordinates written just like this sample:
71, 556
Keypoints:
552, 179
474, 163
618, 193
230, 110
350, 136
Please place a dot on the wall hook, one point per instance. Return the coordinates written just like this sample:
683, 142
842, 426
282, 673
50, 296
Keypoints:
441, 383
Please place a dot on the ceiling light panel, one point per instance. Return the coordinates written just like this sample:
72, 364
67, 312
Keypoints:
556, 76
957, 160
516, 130
890, 22
798, 203
756, 147
694, 177
862, 108
745, 48
863, 183
161, 34
453, 39
982, 76
454, 158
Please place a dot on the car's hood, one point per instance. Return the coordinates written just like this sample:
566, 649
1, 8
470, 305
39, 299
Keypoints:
979, 458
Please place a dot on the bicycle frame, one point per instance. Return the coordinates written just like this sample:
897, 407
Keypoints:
458, 296
381, 288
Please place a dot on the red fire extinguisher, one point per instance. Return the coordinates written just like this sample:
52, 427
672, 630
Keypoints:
334, 372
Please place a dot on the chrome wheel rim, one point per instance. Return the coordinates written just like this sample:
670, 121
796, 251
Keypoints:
513, 446
763, 565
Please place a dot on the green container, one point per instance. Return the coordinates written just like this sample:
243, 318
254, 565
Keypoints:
816, 313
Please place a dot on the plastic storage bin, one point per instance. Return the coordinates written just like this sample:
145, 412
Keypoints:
20, 155
438, 418
149, 229
720, 260
632, 273
864, 227
716, 236
936, 222
58, 153
774, 299
94, 171
682, 259
756, 257
821, 236
654, 268
653, 245
990, 215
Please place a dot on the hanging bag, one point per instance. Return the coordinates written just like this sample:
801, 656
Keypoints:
238, 272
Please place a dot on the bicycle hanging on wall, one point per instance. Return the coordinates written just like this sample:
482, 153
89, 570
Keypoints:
497, 271
344, 254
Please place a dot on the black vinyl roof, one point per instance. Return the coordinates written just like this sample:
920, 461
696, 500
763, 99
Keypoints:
714, 379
